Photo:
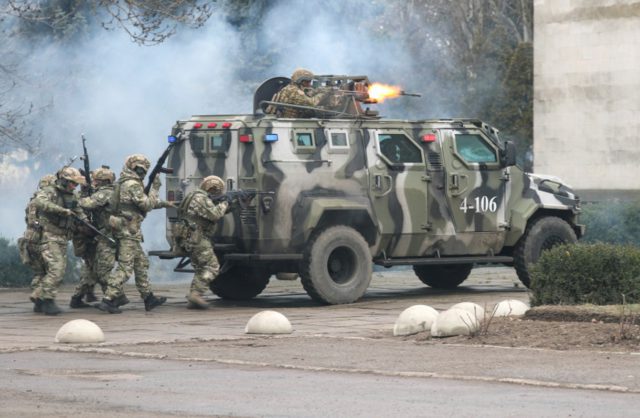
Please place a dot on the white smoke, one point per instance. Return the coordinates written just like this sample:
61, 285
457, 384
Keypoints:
125, 97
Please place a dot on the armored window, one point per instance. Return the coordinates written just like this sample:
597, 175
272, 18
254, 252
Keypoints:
216, 142
474, 149
197, 143
304, 140
339, 140
399, 149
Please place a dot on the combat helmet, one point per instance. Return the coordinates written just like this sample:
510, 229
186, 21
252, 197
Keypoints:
48, 180
137, 160
104, 174
212, 185
300, 75
71, 174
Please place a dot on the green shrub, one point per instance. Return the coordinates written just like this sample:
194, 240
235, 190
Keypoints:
12, 272
599, 274
15, 274
612, 222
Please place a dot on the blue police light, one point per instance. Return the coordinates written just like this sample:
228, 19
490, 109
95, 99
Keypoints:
171, 139
270, 137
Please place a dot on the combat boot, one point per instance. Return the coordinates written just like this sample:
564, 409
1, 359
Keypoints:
91, 297
37, 304
77, 303
151, 301
107, 305
196, 301
49, 307
121, 300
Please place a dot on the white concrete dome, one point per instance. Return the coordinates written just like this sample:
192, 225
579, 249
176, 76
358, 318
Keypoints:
454, 321
415, 319
79, 331
268, 322
510, 307
472, 308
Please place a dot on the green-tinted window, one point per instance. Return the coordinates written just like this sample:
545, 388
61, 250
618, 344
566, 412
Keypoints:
399, 149
304, 139
474, 149
216, 142
339, 139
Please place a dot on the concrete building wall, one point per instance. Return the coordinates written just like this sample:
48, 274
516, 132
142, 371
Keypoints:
587, 93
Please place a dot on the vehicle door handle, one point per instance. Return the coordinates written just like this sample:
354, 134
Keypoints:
377, 180
455, 181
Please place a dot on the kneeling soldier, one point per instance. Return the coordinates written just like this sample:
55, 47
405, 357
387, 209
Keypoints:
197, 215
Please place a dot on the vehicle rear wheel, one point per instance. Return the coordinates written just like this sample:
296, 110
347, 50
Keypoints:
240, 283
337, 266
542, 234
443, 276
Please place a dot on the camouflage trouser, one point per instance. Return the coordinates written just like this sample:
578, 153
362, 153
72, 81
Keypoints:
104, 262
36, 263
87, 271
131, 260
205, 263
54, 255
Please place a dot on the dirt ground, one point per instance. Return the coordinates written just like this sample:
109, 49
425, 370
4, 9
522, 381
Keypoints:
558, 328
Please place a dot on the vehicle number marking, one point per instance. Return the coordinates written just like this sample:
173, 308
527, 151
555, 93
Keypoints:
480, 204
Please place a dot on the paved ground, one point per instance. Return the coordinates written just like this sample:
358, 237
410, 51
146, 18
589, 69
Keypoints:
339, 361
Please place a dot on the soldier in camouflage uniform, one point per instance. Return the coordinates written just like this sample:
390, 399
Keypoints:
129, 205
56, 206
198, 215
29, 243
298, 92
101, 254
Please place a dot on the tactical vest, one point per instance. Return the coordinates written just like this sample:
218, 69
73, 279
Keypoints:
55, 223
118, 207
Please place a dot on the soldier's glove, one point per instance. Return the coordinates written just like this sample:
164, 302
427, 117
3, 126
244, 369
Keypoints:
67, 212
156, 183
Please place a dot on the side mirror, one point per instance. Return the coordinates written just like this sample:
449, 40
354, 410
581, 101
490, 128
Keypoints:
509, 154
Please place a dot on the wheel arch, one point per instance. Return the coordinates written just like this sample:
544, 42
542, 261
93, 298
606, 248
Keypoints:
521, 220
325, 213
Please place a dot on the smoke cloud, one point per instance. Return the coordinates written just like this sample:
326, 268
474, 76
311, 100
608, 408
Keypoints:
125, 97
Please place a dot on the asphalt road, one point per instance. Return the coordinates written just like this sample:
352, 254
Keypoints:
340, 360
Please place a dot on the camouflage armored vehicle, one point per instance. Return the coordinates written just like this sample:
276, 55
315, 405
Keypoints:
345, 189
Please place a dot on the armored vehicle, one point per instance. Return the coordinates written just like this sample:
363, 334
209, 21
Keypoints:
332, 194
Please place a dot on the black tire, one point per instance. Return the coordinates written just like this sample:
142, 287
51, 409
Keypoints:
541, 234
443, 276
240, 283
337, 266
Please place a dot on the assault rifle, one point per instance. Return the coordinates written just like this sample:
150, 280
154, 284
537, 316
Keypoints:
158, 168
93, 228
243, 196
88, 187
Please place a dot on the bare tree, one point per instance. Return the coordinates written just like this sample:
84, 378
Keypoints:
147, 22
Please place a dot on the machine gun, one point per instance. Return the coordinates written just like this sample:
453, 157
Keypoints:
87, 189
158, 168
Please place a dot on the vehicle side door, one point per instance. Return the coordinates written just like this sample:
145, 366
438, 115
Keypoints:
475, 184
398, 191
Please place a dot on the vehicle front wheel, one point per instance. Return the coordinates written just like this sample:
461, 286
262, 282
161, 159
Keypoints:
542, 234
336, 267
443, 276
240, 283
